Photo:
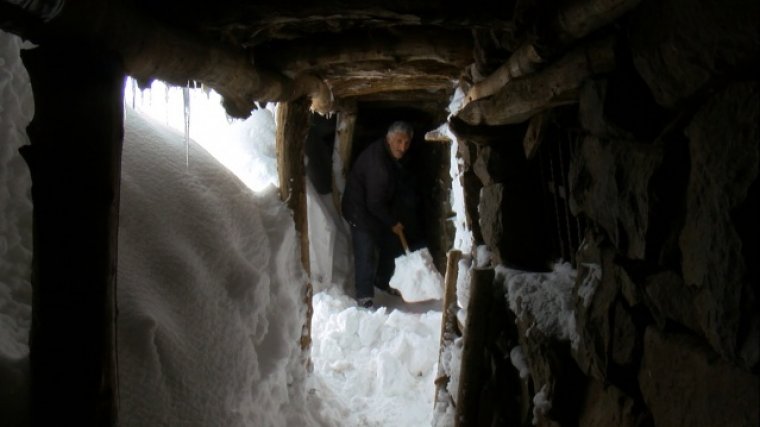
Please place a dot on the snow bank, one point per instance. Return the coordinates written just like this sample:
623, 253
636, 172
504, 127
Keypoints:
16, 111
417, 278
380, 365
517, 357
209, 295
541, 404
546, 297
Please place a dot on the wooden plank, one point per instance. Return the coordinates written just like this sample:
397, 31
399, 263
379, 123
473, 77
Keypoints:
471, 378
344, 137
75, 164
449, 317
292, 120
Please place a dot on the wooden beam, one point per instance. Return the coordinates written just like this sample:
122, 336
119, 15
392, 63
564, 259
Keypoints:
344, 137
394, 46
571, 22
449, 317
152, 50
290, 139
75, 164
554, 86
471, 378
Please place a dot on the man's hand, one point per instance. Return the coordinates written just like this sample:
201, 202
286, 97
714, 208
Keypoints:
397, 229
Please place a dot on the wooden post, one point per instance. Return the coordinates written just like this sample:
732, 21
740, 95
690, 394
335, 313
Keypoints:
75, 164
344, 136
471, 373
449, 317
292, 131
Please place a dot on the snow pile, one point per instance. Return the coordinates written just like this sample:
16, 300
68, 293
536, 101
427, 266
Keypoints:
546, 297
541, 404
16, 111
417, 278
517, 357
210, 293
246, 147
381, 365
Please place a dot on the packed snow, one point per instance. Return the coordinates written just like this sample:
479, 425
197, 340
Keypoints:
417, 278
545, 298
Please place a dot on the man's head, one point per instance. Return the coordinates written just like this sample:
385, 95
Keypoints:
399, 139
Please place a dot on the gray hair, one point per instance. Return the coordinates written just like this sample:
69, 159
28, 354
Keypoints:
401, 127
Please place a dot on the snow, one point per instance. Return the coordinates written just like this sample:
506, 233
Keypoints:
371, 368
517, 357
210, 290
246, 147
417, 278
380, 364
541, 404
546, 297
16, 111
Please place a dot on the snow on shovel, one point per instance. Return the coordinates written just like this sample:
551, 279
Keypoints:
416, 277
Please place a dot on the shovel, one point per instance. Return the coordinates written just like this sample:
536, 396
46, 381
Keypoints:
404, 245
416, 276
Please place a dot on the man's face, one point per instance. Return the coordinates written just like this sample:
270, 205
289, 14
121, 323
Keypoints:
398, 143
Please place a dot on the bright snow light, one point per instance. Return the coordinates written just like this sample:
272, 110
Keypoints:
245, 147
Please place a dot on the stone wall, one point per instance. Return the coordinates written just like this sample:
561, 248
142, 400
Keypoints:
666, 176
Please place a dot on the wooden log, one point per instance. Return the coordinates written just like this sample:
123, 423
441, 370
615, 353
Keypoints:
152, 50
290, 140
471, 378
395, 46
554, 86
449, 317
75, 164
573, 21
344, 136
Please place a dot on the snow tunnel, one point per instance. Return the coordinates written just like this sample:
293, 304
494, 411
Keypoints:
587, 181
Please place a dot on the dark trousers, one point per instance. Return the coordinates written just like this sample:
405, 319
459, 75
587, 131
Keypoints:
374, 260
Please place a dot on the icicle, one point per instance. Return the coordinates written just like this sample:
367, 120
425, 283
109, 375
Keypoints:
186, 99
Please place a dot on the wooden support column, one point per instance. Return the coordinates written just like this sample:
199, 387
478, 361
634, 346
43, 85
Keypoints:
471, 378
449, 317
292, 131
75, 163
344, 137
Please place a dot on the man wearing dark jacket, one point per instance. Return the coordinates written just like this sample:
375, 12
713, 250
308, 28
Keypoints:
367, 206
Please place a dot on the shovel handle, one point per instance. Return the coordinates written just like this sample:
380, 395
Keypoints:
403, 242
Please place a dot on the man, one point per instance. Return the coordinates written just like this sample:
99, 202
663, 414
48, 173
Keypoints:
367, 206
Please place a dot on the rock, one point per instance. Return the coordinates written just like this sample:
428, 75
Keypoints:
609, 183
725, 162
685, 384
593, 321
624, 337
609, 406
489, 214
669, 299
679, 46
